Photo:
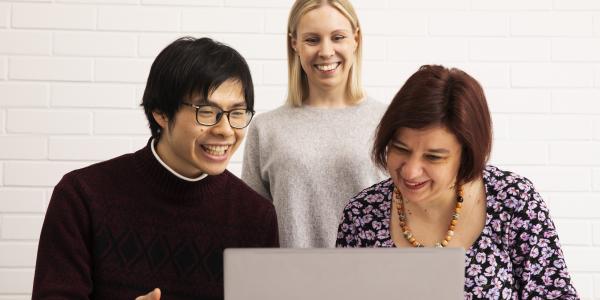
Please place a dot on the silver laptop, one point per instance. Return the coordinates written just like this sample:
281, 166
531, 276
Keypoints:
349, 274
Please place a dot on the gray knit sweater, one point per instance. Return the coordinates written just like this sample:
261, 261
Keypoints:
310, 162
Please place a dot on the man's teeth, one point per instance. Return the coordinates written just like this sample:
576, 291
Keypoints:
215, 150
328, 67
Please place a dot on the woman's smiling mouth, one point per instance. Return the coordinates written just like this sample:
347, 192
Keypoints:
327, 68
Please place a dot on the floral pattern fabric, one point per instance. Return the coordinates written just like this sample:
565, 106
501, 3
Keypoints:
517, 255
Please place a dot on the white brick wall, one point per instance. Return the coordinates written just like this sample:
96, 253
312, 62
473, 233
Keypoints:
585, 285
576, 101
2, 118
21, 200
26, 42
17, 94
23, 147
4, 14
597, 128
549, 75
22, 254
519, 101
220, 20
596, 178
94, 44
3, 68
37, 173
51, 69
93, 96
510, 49
574, 232
134, 71
512, 5
21, 227
16, 281
135, 18
53, 16
72, 74
550, 127
48, 121
596, 230
548, 24
578, 4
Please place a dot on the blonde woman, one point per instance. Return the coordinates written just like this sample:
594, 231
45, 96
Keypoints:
312, 154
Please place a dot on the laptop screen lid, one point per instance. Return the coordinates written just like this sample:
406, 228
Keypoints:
349, 274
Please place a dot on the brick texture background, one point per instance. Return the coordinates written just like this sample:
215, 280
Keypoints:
72, 73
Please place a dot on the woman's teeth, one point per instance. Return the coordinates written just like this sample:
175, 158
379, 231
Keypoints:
215, 150
327, 67
414, 185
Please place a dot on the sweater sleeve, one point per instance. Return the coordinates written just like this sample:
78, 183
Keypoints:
251, 167
63, 268
540, 268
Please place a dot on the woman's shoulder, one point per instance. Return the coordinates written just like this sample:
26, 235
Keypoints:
373, 105
263, 122
499, 180
509, 191
272, 115
374, 195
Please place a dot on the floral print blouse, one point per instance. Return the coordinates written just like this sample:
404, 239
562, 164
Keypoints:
517, 255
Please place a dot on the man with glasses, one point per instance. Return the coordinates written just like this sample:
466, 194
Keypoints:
162, 216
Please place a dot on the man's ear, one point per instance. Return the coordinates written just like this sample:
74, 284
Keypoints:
161, 119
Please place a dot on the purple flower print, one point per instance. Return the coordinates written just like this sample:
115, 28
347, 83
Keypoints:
531, 214
480, 257
376, 225
381, 234
516, 256
474, 270
366, 219
524, 237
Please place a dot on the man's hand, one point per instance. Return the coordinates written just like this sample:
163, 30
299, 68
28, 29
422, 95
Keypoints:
154, 295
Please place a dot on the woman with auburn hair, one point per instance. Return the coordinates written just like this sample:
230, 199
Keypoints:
434, 140
311, 154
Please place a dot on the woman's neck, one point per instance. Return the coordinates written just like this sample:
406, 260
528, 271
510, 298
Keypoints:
328, 98
434, 209
440, 207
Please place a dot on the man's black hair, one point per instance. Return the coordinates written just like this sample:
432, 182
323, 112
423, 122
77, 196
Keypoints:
189, 67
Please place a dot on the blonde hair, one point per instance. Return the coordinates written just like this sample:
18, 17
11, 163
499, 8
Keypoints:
297, 81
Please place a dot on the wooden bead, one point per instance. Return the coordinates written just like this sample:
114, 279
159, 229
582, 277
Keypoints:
408, 235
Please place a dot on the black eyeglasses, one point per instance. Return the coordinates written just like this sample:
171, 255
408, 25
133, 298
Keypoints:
209, 115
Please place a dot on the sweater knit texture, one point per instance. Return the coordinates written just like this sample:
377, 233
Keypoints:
309, 162
120, 228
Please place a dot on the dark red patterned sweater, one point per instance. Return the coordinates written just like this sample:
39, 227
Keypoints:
119, 228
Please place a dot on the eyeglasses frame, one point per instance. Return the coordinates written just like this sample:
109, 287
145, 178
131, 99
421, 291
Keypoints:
220, 115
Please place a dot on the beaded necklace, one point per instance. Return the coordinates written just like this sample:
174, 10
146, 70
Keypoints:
408, 235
